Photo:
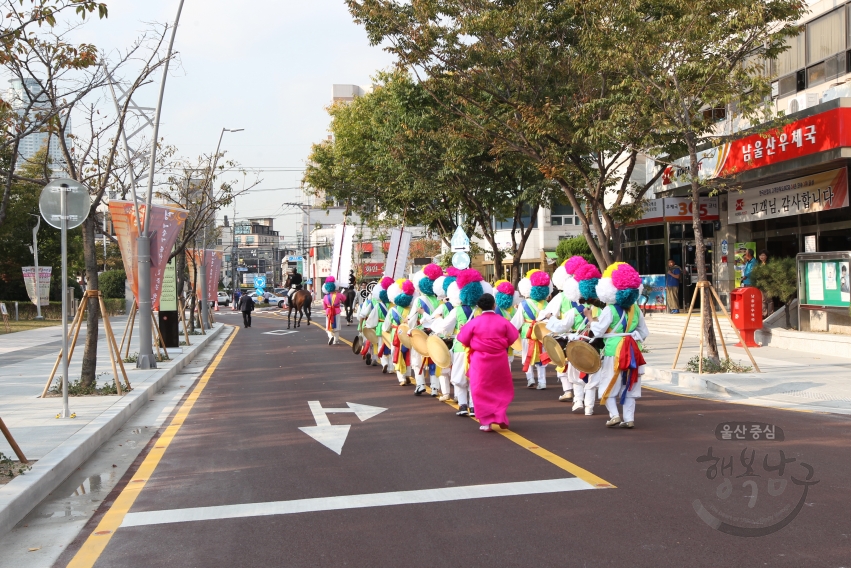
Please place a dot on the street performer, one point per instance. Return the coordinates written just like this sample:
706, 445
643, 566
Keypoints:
506, 306
487, 338
425, 305
402, 294
560, 307
331, 304
464, 293
441, 287
624, 328
374, 312
580, 290
536, 287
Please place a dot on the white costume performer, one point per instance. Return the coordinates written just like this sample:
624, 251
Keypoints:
425, 305
623, 325
536, 287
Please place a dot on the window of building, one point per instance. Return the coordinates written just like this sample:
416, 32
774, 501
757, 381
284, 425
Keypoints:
826, 36
249, 240
218, 242
227, 259
525, 221
563, 215
715, 114
323, 253
791, 59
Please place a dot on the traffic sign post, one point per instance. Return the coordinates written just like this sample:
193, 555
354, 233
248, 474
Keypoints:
64, 204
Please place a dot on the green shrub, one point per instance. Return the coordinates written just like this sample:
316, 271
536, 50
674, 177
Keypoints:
572, 247
723, 366
777, 279
111, 283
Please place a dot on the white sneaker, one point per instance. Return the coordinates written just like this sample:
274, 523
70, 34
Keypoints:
566, 397
578, 405
614, 421
589, 411
530, 383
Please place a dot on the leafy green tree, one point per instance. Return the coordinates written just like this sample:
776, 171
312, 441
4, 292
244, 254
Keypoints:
679, 58
398, 156
516, 73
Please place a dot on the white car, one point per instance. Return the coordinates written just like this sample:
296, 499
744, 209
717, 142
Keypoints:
270, 299
223, 299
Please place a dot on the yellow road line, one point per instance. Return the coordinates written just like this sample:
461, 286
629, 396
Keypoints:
100, 537
557, 461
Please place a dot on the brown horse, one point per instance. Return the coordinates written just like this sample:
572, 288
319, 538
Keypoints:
300, 300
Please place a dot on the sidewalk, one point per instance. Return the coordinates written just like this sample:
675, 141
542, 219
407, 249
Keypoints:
61, 445
789, 379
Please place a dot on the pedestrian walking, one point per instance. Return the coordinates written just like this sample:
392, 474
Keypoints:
487, 338
246, 306
672, 286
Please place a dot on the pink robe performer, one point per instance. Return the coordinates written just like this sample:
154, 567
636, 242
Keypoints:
488, 337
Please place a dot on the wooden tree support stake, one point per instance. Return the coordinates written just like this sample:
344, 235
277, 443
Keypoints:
114, 353
15, 447
703, 287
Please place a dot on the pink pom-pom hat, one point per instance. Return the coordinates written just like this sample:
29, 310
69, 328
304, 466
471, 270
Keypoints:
433, 272
330, 279
586, 272
573, 264
540, 278
386, 282
452, 271
467, 276
505, 288
408, 287
626, 277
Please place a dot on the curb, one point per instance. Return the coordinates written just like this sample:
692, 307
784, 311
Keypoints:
693, 381
25, 492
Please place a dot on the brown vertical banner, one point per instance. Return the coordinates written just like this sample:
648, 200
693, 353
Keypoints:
214, 268
193, 265
165, 224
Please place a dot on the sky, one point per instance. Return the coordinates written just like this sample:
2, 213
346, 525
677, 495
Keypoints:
267, 66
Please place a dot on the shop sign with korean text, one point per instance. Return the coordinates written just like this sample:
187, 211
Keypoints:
818, 192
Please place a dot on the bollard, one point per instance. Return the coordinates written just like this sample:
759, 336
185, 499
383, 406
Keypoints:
16, 311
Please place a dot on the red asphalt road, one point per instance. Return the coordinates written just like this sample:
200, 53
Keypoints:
241, 444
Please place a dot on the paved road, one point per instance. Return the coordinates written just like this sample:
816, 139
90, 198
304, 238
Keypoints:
234, 481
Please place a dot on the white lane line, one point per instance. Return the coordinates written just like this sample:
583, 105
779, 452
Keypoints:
355, 501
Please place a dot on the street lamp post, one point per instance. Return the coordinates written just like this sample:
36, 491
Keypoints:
146, 358
202, 281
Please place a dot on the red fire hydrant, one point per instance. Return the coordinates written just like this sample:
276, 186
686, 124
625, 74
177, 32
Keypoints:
747, 313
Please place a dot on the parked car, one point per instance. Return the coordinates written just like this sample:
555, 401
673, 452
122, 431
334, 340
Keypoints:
223, 299
270, 299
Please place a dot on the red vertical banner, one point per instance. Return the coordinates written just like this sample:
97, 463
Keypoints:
165, 224
168, 222
214, 268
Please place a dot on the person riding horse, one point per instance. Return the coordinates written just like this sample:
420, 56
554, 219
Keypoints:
293, 280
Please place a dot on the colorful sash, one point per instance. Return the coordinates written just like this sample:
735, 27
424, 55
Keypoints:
401, 354
332, 308
628, 357
535, 354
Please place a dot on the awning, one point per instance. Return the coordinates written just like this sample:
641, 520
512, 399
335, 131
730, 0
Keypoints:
551, 254
365, 247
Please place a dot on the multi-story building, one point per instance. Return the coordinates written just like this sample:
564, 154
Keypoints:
20, 96
789, 180
251, 247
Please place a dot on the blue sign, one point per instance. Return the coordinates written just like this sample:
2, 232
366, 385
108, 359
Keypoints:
260, 282
295, 259
241, 269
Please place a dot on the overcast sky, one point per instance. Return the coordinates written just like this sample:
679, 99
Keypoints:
263, 65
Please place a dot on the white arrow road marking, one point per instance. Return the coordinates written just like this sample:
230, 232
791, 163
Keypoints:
330, 436
437, 495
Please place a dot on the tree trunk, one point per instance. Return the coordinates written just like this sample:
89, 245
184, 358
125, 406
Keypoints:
192, 299
699, 248
90, 351
601, 255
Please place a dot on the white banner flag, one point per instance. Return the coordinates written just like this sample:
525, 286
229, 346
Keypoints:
341, 259
43, 283
397, 256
